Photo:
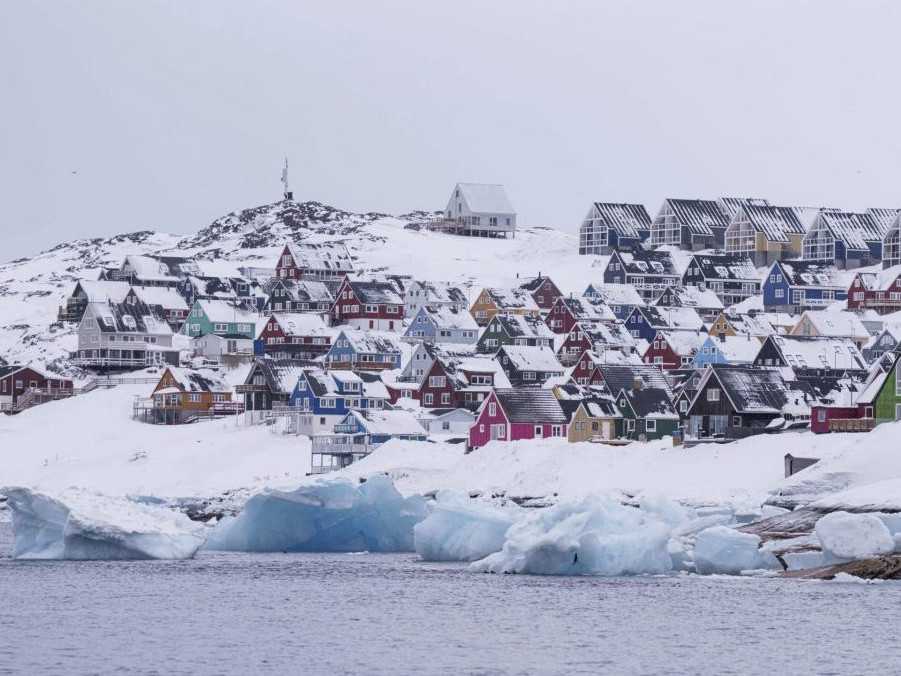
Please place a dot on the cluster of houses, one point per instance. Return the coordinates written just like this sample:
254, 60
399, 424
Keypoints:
758, 328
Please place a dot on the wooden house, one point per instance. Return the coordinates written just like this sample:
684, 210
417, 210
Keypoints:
140, 270
879, 291
227, 350
727, 349
620, 298
359, 433
798, 285
479, 210
567, 311
446, 421
812, 357
220, 317
692, 224
672, 350
645, 322
586, 370
185, 395
594, 418
610, 227
165, 300
759, 326
648, 272
516, 414
599, 336
544, 292
123, 336
442, 324
372, 305
643, 396
886, 341
247, 293
891, 243
89, 291
733, 402
766, 233
528, 366
24, 386
420, 293
832, 324
300, 296
524, 330
327, 396
288, 335
315, 262
844, 239
707, 303
364, 351
732, 277
494, 300
269, 383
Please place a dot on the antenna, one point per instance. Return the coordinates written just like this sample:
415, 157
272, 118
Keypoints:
288, 194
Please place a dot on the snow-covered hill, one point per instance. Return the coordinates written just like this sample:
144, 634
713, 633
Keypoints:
31, 289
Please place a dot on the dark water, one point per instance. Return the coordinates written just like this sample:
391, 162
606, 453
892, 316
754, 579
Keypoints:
367, 614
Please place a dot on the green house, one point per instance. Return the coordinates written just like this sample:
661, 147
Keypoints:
514, 330
648, 414
887, 402
220, 317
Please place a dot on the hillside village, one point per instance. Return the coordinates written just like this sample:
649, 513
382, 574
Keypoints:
712, 321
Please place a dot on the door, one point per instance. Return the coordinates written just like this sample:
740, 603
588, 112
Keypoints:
705, 426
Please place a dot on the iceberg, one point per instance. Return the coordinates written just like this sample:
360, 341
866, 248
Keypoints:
328, 516
721, 549
81, 525
594, 536
462, 529
845, 536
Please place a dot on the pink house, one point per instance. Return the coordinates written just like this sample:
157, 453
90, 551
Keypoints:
512, 414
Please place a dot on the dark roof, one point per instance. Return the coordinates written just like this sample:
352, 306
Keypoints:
533, 283
752, 390
515, 325
699, 216
130, 318
626, 219
5, 370
726, 267
622, 377
649, 402
856, 231
776, 223
643, 262
808, 273
528, 405
376, 293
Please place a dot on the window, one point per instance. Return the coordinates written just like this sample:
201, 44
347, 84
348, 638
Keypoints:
630, 424
195, 398
650, 425
437, 381
821, 415
556, 430
713, 394
220, 327
427, 399
492, 409
683, 406
736, 421
445, 398
528, 375
539, 430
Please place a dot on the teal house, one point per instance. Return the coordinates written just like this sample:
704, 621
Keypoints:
220, 317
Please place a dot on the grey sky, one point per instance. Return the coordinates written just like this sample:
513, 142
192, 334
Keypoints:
173, 113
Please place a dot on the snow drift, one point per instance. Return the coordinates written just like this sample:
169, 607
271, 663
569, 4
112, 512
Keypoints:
463, 529
721, 549
329, 516
83, 525
594, 536
846, 536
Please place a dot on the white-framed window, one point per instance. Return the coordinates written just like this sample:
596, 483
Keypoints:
427, 399
195, 397
492, 409
556, 430
539, 430
528, 375
713, 394
445, 398
437, 381
650, 425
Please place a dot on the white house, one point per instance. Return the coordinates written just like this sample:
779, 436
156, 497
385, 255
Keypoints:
480, 210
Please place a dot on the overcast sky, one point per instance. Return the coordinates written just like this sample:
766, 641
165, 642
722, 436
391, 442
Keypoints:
120, 116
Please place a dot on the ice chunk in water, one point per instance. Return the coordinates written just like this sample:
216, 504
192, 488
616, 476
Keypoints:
848, 536
83, 525
595, 536
721, 549
462, 529
329, 516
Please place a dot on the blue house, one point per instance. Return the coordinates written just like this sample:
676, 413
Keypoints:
443, 324
845, 239
363, 350
328, 396
644, 322
620, 298
799, 285
610, 226
733, 350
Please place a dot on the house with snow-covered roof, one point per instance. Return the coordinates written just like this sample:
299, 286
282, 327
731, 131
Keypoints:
620, 298
304, 295
610, 226
374, 305
724, 349
364, 351
512, 329
732, 277
645, 322
845, 239
891, 243
879, 291
327, 261
144, 271
648, 272
419, 293
594, 335
480, 210
123, 336
694, 224
528, 366
567, 311
798, 285
832, 324
766, 233
886, 341
269, 382
704, 301
91, 291
166, 300
495, 300
812, 357
442, 324
544, 292
183, 395
289, 335
220, 317
673, 350
516, 414
23, 386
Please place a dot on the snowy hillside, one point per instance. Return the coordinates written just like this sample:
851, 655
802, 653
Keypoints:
31, 289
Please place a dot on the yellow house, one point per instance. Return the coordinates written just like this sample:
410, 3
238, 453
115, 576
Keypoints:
594, 420
492, 301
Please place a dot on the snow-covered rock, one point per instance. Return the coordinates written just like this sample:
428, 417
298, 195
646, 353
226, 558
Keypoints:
721, 549
594, 536
329, 516
83, 525
846, 536
463, 529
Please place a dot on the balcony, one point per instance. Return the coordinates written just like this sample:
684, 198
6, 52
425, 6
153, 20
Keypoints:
852, 424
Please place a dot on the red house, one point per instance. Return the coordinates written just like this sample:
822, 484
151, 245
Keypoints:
517, 414
24, 386
674, 349
594, 335
323, 262
566, 312
295, 336
374, 305
544, 291
586, 371
879, 291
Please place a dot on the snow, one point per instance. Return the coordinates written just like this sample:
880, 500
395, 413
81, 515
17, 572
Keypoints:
79, 524
463, 529
327, 516
724, 550
846, 536
594, 536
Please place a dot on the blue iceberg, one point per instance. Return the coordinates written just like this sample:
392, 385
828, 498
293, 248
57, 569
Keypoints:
328, 516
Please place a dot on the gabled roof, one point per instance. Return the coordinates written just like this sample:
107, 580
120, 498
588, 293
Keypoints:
626, 219
855, 230
751, 391
835, 324
198, 380
224, 312
614, 294
530, 405
523, 326
532, 358
376, 292
164, 296
370, 343
486, 198
331, 256
448, 317
281, 375
132, 318
100, 291
726, 267
149, 269
736, 349
678, 318
512, 299
690, 296
776, 223
389, 422
809, 274
879, 281
649, 403
300, 324
585, 309
304, 291
684, 343
621, 377
600, 333
531, 284
819, 353
443, 293
648, 262
699, 216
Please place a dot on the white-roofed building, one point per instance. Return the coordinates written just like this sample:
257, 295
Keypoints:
479, 210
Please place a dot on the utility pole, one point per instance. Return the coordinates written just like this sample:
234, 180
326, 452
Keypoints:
287, 192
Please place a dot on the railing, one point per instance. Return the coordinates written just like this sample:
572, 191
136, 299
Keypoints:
327, 446
852, 424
